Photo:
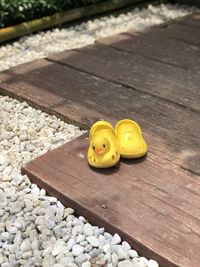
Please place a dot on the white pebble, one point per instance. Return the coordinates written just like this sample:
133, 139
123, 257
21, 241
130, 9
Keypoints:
25, 245
106, 248
116, 240
152, 263
88, 229
126, 263
93, 241
80, 238
70, 244
77, 250
86, 264
122, 253
126, 245
133, 253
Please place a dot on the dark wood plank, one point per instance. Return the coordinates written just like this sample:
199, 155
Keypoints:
142, 74
192, 20
156, 209
15, 82
179, 32
153, 46
194, 3
172, 131
36, 83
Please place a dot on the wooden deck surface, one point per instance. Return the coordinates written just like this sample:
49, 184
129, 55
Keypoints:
152, 77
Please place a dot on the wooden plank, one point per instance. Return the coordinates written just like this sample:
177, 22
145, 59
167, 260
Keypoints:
192, 20
172, 131
179, 32
16, 82
151, 45
152, 205
194, 3
36, 83
143, 74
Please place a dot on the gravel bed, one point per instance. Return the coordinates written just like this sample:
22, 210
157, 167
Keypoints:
40, 45
35, 229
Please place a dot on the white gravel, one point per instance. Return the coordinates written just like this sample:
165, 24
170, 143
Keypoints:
35, 229
45, 43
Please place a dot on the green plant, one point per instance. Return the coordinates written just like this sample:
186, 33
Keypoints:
16, 11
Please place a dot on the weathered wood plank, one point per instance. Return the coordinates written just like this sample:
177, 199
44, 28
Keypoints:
155, 78
194, 3
172, 131
179, 32
193, 20
153, 46
16, 82
144, 205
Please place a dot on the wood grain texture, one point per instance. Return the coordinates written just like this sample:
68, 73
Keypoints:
172, 131
192, 20
194, 3
178, 31
156, 211
141, 74
17, 83
152, 46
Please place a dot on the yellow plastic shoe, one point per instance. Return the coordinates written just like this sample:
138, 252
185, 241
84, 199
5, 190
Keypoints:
130, 140
103, 151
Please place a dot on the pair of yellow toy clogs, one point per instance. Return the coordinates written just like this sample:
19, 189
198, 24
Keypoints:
108, 144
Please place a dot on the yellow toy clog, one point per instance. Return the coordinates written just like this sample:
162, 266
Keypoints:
130, 139
103, 151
